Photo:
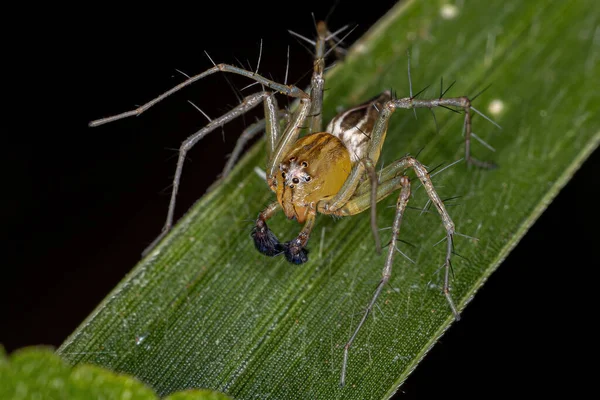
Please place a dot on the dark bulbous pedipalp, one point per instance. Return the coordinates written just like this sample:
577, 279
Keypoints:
265, 241
295, 253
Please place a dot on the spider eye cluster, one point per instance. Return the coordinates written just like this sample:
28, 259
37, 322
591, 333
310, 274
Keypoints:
295, 171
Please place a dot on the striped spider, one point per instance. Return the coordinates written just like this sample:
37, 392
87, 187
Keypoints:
329, 171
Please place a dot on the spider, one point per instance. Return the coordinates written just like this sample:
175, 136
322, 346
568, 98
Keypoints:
327, 171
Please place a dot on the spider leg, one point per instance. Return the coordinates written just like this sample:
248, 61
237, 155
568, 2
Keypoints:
374, 183
273, 117
247, 104
289, 90
317, 82
392, 179
389, 183
387, 269
461, 102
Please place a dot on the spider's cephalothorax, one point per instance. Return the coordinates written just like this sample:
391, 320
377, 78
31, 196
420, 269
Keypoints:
315, 169
329, 172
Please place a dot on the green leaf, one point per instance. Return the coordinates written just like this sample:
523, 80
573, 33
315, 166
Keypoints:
204, 309
38, 373
93, 382
194, 394
33, 373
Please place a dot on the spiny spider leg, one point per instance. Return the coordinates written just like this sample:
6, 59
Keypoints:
343, 202
390, 183
468, 133
374, 181
247, 104
289, 90
272, 124
403, 198
462, 102
317, 83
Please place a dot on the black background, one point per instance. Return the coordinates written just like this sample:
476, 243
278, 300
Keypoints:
80, 204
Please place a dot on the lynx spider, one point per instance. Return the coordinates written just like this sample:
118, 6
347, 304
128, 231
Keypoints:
329, 172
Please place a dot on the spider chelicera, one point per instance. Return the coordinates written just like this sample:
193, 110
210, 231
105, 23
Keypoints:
328, 172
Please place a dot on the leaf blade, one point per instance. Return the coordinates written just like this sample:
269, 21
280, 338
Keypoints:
277, 327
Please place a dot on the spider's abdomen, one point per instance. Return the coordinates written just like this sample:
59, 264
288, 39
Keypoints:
354, 126
315, 168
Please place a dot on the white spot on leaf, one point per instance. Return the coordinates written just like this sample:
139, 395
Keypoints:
448, 11
496, 107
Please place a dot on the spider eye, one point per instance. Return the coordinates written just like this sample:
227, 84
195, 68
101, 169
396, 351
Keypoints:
292, 159
283, 175
295, 180
304, 164
307, 178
